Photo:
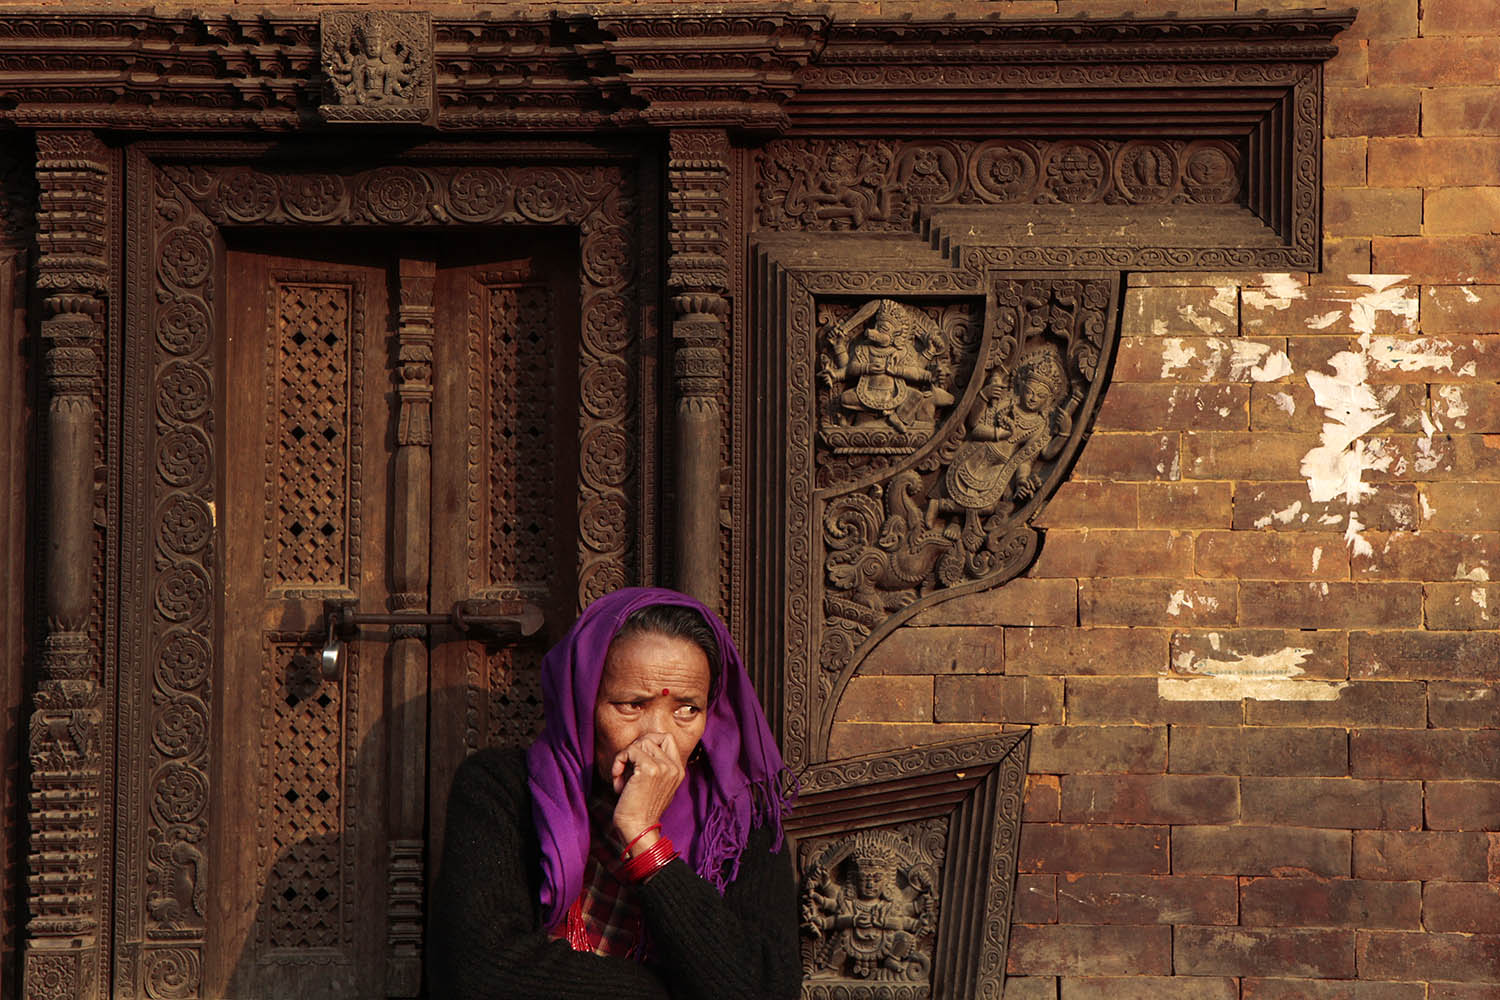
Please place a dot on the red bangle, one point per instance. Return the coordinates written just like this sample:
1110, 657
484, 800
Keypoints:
626, 853
649, 861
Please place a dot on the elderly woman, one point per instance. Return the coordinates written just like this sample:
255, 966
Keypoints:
635, 850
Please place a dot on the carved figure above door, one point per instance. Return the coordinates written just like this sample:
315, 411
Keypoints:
377, 67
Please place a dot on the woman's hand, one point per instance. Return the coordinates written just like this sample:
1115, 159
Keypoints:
645, 775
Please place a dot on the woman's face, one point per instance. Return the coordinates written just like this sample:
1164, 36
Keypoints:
652, 684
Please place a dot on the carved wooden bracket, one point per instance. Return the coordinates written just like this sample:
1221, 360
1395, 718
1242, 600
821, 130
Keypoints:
907, 867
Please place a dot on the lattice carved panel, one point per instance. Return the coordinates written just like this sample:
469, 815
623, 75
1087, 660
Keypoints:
315, 373
305, 830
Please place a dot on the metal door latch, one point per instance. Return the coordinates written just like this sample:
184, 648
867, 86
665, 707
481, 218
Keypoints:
477, 619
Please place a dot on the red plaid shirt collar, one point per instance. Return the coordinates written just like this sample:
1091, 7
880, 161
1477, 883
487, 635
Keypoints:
605, 918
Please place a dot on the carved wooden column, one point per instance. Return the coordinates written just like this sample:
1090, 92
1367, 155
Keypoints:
66, 762
410, 575
698, 280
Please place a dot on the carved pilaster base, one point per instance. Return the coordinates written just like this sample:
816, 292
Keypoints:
58, 973
403, 963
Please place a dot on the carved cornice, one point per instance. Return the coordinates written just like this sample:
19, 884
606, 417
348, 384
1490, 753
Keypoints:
655, 69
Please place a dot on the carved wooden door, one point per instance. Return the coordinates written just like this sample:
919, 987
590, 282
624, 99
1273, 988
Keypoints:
394, 422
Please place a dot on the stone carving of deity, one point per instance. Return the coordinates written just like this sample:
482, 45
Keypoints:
881, 363
373, 67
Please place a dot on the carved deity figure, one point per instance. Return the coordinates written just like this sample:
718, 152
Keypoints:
852, 190
867, 915
373, 68
887, 367
1020, 417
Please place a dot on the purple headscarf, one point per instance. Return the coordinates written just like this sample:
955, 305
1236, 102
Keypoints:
738, 784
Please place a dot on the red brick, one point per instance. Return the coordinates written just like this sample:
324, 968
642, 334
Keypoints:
1158, 311
1111, 553
1287, 507
1130, 457
1086, 651
1457, 17
1375, 211
1433, 754
887, 699
1043, 803
1036, 700
1433, 62
1022, 601
1462, 706
1434, 162
1471, 407
1186, 505
1292, 408
1150, 406
1330, 605
1271, 555
1147, 899
1463, 805
1466, 907
1093, 749
853, 739
1343, 257
928, 651
1156, 602
1244, 455
1393, 359
1134, 699
1321, 310
1461, 308
1424, 855
1344, 163
1460, 111
1259, 850
1461, 991
1030, 988
1464, 507
1321, 902
1036, 899
1335, 803
1462, 605
1330, 989
1089, 950
1194, 358
1351, 67
1064, 848
1257, 750
1435, 552
1151, 798
1419, 955
1372, 111
1445, 259
1244, 651
1422, 655
1151, 988
1383, 703
1091, 505
1384, 19
1263, 952
1460, 210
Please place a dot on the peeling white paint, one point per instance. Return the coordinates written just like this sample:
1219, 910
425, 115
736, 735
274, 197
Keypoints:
1427, 508
1324, 320
1386, 294
1317, 557
1277, 365
1282, 664
1458, 407
1286, 514
1255, 688
1469, 370
1470, 295
1225, 300
1175, 356
1335, 467
1278, 290
1329, 519
1358, 544
1205, 324
1182, 599
1412, 354
1478, 574
1159, 327
1285, 402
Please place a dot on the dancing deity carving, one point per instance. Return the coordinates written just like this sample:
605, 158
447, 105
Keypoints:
378, 66
884, 364
870, 906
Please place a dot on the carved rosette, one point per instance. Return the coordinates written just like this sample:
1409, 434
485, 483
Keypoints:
66, 728
377, 67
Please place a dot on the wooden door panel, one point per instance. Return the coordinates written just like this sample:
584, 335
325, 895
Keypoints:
298, 849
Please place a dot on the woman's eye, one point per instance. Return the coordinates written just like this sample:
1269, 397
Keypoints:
688, 711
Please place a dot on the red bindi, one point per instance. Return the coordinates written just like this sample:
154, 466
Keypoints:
665, 692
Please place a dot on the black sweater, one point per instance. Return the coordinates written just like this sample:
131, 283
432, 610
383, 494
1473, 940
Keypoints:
488, 940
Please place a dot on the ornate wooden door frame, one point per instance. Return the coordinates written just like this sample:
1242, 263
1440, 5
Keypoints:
1083, 127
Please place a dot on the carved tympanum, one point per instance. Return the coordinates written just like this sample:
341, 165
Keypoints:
377, 66
870, 905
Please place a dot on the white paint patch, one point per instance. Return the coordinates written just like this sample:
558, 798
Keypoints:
1286, 514
1277, 365
1283, 664
1225, 300
1175, 356
1470, 295
1329, 519
1254, 688
1358, 544
1284, 287
1469, 370
1427, 509
1182, 599
1478, 574
1452, 397
1159, 327
1324, 320
1335, 467
1206, 324
1317, 558
1412, 354
1285, 402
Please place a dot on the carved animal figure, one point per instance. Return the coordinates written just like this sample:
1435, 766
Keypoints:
885, 563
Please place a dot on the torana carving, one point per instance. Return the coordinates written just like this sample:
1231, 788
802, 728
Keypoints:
870, 903
377, 67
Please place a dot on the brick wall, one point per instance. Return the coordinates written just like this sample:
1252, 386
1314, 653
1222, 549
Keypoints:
1265, 762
